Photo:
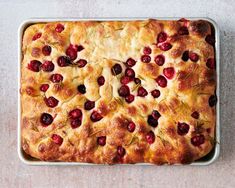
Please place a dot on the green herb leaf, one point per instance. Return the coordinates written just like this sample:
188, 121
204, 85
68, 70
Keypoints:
98, 131
133, 140
142, 78
118, 100
136, 87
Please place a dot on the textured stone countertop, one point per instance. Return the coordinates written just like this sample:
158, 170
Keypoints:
14, 173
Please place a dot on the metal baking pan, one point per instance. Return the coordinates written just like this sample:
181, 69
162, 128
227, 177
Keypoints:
208, 159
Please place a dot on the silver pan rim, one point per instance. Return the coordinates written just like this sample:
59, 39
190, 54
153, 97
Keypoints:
31, 21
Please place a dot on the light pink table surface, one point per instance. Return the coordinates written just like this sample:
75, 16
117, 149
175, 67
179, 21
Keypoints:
14, 173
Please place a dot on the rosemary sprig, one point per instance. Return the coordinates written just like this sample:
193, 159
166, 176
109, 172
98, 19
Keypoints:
39, 95
142, 78
162, 100
184, 104
160, 136
113, 60
70, 142
145, 24
189, 73
94, 133
199, 127
51, 43
118, 100
119, 29
136, 87
116, 60
35, 128
76, 77
205, 121
203, 93
32, 125
133, 139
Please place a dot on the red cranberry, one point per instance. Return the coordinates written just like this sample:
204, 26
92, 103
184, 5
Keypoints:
125, 79
130, 98
121, 151
137, 81
130, 72
212, 100
81, 63
75, 113
44, 87
165, 46
101, 80
57, 139
182, 128
51, 102
130, 62
81, 89
169, 72
185, 56
198, 140
89, 105
145, 58
183, 30
155, 93
46, 50
30, 91
156, 115
141, 92
193, 57
79, 48
208, 130
71, 52
185, 22
48, 66
161, 37
124, 91
195, 115
161, 81
116, 69
37, 36
152, 121
63, 61
210, 63
159, 60
56, 78
74, 46
75, 123
34, 65
147, 50
95, 116
59, 28
210, 39
131, 127
46, 119
150, 137
101, 140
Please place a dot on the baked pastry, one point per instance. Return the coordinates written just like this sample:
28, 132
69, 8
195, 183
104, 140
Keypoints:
118, 91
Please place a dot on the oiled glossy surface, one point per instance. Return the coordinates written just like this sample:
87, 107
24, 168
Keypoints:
15, 174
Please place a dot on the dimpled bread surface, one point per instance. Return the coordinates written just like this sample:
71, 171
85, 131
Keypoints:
167, 116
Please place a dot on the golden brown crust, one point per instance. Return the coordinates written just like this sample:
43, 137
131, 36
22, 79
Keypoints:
106, 43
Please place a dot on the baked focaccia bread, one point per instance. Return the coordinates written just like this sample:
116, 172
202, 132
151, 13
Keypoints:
111, 92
